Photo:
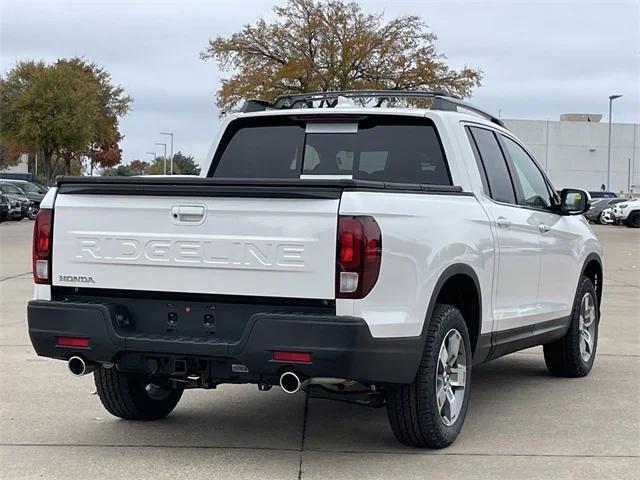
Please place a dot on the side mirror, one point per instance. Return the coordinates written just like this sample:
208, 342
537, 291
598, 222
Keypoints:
574, 202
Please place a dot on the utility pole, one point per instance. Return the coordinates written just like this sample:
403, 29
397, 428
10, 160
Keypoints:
165, 156
611, 99
171, 134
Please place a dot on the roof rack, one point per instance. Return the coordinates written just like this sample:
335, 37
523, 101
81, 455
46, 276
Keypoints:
442, 101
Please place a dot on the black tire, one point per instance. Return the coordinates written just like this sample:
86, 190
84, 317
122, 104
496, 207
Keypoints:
633, 221
563, 357
412, 409
124, 395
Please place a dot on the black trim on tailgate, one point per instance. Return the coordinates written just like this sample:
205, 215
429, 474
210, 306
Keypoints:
76, 293
238, 187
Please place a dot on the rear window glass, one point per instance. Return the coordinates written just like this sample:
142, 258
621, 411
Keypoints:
261, 151
384, 148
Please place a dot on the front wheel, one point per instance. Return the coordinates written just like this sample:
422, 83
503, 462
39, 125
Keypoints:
430, 411
132, 396
573, 355
633, 221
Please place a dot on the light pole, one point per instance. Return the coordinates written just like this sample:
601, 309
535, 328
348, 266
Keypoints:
171, 134
165, 156
611, 99
154, 156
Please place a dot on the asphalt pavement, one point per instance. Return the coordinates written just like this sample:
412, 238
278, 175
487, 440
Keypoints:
521, 424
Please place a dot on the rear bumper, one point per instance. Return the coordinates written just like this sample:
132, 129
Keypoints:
340, 347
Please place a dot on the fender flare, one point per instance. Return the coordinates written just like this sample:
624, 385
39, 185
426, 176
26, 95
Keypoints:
599, 288
449, 272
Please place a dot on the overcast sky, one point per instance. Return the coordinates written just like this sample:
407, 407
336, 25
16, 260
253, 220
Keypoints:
539, 58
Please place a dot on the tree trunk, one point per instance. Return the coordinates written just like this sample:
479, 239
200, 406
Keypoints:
67, 166
47, 167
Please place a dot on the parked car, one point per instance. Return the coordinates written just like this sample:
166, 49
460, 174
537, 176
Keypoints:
33, 191
401, 248
598, 206
19, 203
601, 194
628, 213
4, 208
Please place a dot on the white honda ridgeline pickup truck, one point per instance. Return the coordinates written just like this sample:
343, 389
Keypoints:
369, 254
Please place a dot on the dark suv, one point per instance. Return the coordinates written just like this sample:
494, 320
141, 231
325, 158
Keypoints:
20, 205
33, 191
4, 208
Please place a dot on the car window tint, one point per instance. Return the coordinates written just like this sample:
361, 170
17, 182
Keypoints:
384, 148
534, 187
481, 168
389, 150
495, 165
261, 151
7, 188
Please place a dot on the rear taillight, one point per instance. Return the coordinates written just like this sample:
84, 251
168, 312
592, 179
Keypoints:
42, 231
359, 251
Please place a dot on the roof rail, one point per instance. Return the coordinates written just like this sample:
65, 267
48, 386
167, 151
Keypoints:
442, 101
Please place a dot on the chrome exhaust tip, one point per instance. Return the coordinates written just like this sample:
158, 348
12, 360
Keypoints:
290, 382
78, 367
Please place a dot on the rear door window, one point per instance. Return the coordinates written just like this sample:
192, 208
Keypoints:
390, 149
493, 164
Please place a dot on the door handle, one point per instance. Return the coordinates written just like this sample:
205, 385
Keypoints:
544, 228
192, 214
503, 222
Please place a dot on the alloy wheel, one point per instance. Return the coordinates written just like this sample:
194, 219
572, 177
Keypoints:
451, 377
587, 326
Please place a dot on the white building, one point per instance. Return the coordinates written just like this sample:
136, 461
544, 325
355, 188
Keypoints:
574, 152
22, 167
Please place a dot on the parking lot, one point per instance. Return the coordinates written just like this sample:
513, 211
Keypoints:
521, 423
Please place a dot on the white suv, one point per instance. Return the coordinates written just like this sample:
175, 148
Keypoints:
628, 212
364, 254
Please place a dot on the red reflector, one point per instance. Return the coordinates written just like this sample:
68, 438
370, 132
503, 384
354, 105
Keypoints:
292, 356
72, 342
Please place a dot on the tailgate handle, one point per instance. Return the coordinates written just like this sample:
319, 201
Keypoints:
188, 213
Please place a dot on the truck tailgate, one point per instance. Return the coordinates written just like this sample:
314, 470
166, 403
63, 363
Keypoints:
229, 245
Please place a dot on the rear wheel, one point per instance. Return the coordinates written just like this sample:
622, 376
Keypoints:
633, 221
430, 411
573, 355
132, 396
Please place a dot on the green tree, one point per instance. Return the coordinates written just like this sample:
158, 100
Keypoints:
157, 166
66, 110
119, 171
182, 165
321, 45
185, 164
